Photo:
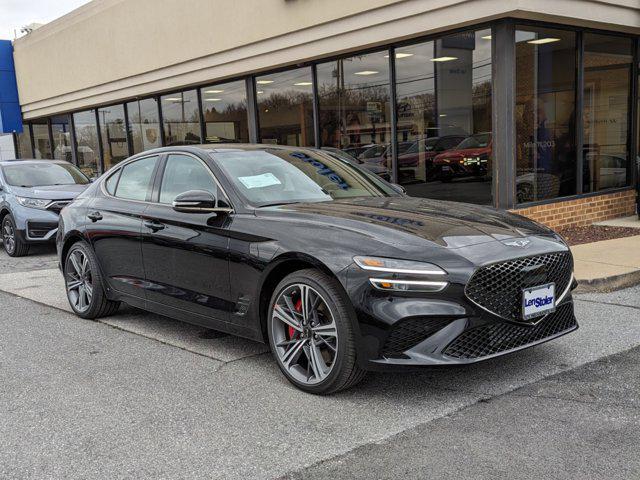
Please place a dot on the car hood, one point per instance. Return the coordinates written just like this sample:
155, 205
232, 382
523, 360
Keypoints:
50, 192
467, 152
411, 221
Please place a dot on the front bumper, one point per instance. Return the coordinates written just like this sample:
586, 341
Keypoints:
35, 226
470, 340
445, 328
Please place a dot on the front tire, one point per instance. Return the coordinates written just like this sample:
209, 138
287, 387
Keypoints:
85, 285
13, 244
311, 333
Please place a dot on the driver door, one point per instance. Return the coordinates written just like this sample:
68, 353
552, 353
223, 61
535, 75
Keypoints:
185, 255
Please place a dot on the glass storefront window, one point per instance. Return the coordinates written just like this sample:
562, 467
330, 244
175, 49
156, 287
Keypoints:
285, 107
144, 125
113, 135
24, 142
41, 140
61, 133
181, 118
86, 134
444, 117
546, 163
355, 112
608, 62
224, 108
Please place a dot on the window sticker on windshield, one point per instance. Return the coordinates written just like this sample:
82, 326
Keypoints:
259, 181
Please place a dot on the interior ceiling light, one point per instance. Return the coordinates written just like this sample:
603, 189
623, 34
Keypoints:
444, 59
302, 84
173, 99
486, 37
264, 82
542, 41
213, 91
401, 55
366, 72
212, 99
259, 92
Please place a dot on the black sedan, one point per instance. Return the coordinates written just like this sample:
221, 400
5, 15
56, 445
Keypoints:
336, 269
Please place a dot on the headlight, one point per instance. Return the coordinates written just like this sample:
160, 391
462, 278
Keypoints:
33, 202
392, 265
390, 285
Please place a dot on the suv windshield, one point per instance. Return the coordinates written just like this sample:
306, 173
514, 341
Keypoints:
43, 174
275, 176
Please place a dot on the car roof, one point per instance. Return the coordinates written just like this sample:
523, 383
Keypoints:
221, 147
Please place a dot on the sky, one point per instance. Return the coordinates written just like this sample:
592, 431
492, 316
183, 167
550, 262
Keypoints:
15, 14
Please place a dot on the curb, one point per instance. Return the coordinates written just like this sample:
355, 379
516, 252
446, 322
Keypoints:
609, 284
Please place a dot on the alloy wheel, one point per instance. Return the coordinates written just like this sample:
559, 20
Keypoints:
79, 280
9, 236
305, 334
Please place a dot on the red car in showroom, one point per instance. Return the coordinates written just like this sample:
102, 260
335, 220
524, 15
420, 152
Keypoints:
469, 159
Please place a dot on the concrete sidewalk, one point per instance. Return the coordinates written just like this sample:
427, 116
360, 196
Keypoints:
607, 265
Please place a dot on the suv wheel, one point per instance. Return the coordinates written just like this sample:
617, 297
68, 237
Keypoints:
13, 245
311, 335
85, 285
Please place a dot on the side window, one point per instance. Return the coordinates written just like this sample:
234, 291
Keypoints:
136, 178
183, 173
112, 182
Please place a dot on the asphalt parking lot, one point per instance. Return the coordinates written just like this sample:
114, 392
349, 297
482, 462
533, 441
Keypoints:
138, 395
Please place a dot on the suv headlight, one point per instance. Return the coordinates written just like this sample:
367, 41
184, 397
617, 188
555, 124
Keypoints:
33, 202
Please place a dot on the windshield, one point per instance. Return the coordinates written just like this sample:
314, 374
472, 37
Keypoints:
43, 174
480, 140
275, 176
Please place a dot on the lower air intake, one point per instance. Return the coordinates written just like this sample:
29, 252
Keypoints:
501, 337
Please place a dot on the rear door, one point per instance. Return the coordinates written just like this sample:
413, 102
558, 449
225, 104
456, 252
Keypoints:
114, 224
186, 254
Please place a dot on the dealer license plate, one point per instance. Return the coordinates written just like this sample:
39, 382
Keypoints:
537, 301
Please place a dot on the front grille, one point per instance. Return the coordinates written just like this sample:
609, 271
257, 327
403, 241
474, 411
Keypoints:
58, 205
40, 229
408, 333
501, 337
498, 287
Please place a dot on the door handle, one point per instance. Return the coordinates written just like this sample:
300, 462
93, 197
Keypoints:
94, 216
153, 225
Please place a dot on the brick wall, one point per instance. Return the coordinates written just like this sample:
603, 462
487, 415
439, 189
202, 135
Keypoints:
583, 211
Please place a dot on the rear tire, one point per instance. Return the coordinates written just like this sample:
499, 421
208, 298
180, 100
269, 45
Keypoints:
13, 245
85, 285
315, 350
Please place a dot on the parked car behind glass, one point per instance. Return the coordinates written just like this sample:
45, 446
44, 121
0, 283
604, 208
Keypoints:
32, 193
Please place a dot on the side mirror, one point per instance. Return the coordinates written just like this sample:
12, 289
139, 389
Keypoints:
399, 188
198, 201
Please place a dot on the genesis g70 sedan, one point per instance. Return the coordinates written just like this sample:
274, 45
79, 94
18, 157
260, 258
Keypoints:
333, 267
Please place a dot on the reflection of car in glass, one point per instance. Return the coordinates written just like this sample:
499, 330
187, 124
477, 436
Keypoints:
377, 158
320, 259
32, 193
424, 151
469, 158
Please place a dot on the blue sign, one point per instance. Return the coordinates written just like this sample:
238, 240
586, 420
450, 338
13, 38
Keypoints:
10, 115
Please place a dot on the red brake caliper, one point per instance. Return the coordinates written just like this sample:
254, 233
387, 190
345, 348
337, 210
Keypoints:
298, 307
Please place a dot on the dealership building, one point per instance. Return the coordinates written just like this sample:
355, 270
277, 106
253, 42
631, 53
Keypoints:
525, 105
